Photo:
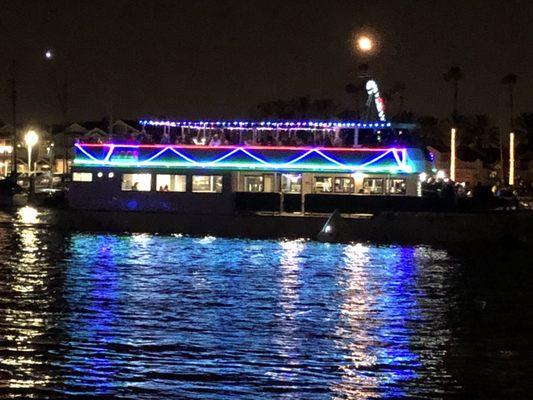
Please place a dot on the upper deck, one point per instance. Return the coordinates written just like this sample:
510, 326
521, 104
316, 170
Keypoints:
306, 146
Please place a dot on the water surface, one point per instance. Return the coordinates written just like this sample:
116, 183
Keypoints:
149, 317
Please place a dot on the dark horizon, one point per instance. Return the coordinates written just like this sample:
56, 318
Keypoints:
207, 59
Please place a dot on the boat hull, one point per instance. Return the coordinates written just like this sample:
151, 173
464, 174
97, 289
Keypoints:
386, 227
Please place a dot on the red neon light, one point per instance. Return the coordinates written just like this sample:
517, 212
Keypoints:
193, 146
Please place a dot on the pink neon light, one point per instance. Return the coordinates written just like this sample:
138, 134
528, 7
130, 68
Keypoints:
193, 146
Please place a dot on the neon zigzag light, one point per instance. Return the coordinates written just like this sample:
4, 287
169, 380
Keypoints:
296, 163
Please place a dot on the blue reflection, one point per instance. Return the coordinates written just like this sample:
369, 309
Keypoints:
96, 287
157, 316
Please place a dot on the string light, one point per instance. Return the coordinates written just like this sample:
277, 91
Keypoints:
267, 125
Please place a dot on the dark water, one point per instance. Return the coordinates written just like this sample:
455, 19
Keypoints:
150, 317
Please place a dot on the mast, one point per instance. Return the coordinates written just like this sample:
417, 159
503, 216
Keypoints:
14, 115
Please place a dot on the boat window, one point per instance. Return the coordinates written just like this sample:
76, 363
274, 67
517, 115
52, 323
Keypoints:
343, 185
373, 186
253, 183
171, 183
397, 186
82, 176
137, 182
291, 183
207, 183
323, 184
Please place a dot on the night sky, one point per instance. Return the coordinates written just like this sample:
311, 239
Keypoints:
219, 59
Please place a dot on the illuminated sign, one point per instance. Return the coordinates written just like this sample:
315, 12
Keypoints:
373, 91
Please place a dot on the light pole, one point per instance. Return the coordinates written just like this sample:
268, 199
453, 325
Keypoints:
62, 96
452, 155
31, 138
511, 159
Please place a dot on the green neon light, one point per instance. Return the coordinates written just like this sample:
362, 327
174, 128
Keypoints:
242, 166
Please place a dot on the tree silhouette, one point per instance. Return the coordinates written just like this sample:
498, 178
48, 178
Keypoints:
508, 80
454, 75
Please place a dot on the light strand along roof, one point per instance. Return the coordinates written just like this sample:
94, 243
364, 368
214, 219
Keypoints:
301, 125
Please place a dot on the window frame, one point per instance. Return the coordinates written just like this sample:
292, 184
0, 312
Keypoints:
212, 184
138, 190
82, 173
389, 186
352, 184
322, 191
300, 177
374, 179
171, 191
262, 177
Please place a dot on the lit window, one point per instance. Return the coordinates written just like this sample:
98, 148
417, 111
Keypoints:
291, 183
253, 183
323, 184
82, 176
207, 183
171, 183
397, 186
137, 182
373, 186
343, 185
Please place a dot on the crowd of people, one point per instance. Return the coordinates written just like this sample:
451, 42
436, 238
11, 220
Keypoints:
323, 138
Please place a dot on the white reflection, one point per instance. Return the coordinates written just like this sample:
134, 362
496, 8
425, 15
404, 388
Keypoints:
206, 240
290, 279
28, 215
285, 343
26, 324
353, 330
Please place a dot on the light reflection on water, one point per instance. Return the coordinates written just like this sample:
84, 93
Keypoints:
171, 316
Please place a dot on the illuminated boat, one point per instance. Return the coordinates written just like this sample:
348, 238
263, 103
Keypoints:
244, 177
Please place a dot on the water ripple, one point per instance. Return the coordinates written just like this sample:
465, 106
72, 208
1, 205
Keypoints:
145, 316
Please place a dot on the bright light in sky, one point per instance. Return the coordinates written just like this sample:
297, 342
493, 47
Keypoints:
364, 43
49, 54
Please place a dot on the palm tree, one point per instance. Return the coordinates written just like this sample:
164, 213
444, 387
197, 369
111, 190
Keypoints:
356, 90
454, 75
508, 80
396, 91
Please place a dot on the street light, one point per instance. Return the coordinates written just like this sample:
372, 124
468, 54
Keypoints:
31, 138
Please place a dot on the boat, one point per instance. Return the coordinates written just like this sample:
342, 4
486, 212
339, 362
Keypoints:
11, 194
237, 168
269, 179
